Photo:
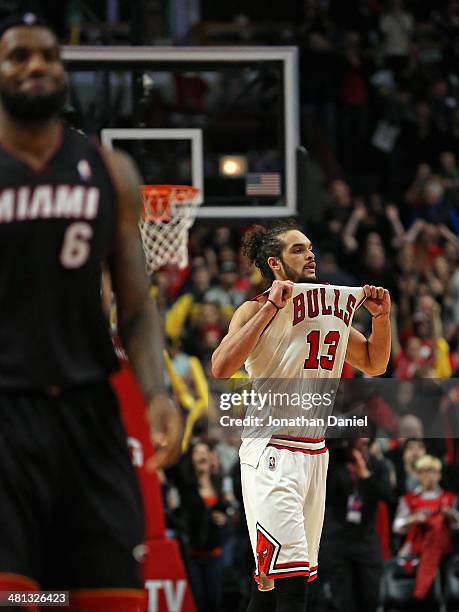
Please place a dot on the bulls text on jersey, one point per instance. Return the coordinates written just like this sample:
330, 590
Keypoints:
313, 302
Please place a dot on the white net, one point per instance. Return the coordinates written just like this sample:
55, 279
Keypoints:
169, 212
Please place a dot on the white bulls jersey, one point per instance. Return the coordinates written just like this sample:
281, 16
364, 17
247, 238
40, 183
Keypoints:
297, 360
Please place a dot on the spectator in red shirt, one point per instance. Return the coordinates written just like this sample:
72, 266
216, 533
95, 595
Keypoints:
426, 517
411, 362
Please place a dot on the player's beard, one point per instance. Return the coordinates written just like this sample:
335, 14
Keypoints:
33, 108
296, 277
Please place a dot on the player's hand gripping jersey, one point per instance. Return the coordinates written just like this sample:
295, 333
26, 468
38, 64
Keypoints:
298, 358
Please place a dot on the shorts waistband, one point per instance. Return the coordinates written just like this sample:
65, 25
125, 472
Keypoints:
308, 445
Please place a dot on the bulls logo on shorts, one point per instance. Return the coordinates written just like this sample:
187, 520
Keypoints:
265, 552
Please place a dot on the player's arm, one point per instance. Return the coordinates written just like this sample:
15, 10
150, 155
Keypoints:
371, 355
139, 323
245, 329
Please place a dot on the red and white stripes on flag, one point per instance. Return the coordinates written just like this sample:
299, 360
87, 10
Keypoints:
263, 183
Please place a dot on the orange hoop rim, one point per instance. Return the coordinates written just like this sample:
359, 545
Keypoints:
157, 199
161, 191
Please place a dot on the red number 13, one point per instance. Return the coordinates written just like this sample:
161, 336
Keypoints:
326, 362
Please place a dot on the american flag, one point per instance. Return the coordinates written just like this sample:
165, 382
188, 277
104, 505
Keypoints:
263, 183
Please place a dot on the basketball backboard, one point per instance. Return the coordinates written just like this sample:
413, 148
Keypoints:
225, 119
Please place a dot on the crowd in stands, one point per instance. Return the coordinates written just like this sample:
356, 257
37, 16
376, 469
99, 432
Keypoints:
362, 240
380, 108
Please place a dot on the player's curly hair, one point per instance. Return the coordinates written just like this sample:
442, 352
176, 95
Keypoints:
259, 243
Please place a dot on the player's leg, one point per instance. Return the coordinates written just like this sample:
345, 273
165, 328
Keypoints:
273, 502
291, 594
315, 467
262, 601
101, 517
27, 483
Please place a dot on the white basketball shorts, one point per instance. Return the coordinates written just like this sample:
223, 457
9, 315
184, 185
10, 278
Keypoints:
284, 501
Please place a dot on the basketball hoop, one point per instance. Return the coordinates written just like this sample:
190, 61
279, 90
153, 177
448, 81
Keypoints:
167, 215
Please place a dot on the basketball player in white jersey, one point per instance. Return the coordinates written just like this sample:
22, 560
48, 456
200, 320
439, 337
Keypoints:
297, 330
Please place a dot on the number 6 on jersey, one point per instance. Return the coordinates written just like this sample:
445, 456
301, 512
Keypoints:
75, 247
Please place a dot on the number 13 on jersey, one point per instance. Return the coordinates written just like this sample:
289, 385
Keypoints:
326, 361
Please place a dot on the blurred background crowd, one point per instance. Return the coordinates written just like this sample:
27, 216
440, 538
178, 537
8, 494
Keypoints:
380, 119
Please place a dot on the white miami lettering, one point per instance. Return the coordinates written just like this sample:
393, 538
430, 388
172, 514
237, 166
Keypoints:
47, 201
41, 204
68, 201
91, 205
22, 203
6, 205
